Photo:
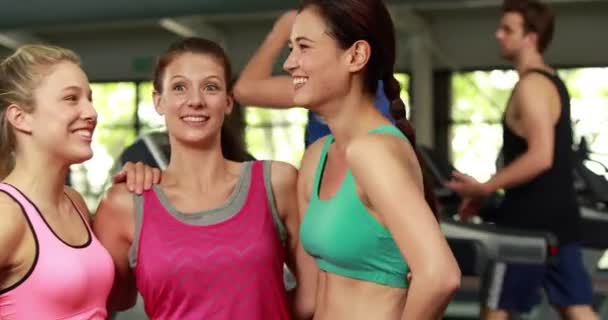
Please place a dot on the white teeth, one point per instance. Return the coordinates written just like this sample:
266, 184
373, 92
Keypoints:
84, 133
299, 81
194, 119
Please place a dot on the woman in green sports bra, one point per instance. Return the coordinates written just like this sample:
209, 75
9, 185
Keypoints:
365, 222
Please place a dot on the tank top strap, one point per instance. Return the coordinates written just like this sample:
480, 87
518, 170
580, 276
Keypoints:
267, 176
389, 129
81, 211
257, 177
28, 207
321, 166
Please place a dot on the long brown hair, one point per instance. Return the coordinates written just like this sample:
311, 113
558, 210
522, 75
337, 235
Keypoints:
233, 147
353, 20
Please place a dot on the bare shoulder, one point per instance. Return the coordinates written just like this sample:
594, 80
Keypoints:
312, 153
310, 161
283, 174
311, 157
371, 148
117, 205
78, 200
13, 225
535, 84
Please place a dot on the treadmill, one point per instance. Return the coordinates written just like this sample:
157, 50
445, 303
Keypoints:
486, 242
592, 191
478, 245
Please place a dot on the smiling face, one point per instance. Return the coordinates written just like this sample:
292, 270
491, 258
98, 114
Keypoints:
194, 98
63, 120
316, 62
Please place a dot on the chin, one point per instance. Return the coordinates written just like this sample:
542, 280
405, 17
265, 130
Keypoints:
301, 100
81, 156
507, 55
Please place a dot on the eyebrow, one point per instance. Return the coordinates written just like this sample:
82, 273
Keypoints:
302, 38
213, 77
87, 90
77, 88
74, 87
206, 78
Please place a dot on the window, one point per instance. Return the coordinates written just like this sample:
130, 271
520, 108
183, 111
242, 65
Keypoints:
124, 110
479, 101
475, 133
279, 134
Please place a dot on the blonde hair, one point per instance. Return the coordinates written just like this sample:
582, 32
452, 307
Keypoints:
20, 74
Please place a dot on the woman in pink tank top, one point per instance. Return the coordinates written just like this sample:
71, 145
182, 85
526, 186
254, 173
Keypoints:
210, 241
51, 264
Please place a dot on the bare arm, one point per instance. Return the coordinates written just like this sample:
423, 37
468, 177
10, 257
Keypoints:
533, 99
394, 190
114, 226
12, 228
256, 85
306, 270
284, 178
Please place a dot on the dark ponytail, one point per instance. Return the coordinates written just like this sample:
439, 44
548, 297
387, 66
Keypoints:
392, 90
351, 20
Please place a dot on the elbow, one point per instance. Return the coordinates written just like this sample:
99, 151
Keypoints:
241, 92
303, 307
303, 314
451, 283
444, 286
543, 162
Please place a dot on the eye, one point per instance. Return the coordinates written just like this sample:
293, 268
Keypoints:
71, 98
179, 87
212, 87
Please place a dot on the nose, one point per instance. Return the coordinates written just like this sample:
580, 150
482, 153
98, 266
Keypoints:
195, 98
498, 34
89, 113
290, 63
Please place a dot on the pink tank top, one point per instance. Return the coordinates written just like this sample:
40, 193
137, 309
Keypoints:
65, 282
226, 270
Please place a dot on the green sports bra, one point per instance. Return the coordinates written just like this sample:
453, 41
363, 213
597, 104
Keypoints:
344, 238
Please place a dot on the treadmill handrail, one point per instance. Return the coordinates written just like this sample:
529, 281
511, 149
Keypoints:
506, 245
156, 152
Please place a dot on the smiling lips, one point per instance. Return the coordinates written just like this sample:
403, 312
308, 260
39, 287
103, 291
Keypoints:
299, 82
195, 119
85, 132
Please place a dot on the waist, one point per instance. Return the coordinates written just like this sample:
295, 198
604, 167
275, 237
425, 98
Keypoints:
375, 276
340, 297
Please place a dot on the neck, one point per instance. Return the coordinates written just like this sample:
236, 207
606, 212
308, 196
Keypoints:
196, 168
529, 60
40, 177
351, 115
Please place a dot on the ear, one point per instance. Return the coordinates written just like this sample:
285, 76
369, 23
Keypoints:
156, 97
229, 103
358, 55
18, 118
532, 38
